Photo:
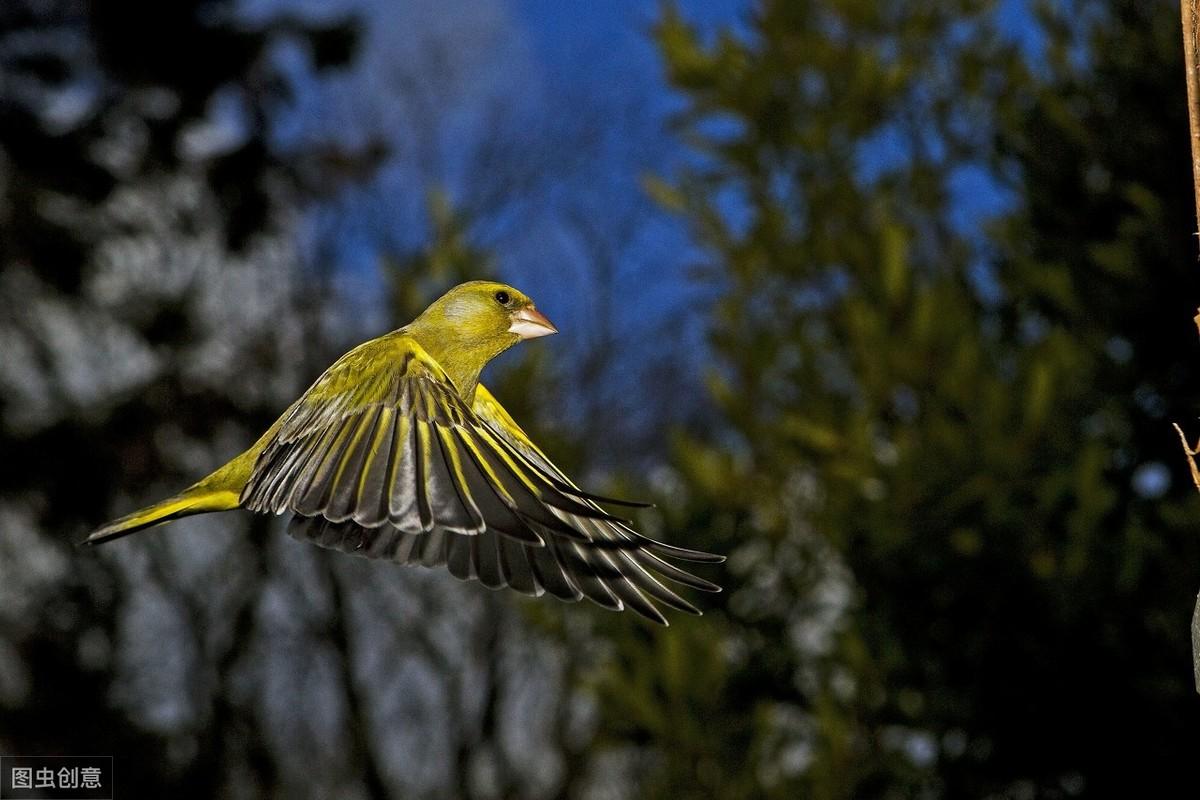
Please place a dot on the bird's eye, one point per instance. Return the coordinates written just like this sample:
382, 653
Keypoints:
502, 298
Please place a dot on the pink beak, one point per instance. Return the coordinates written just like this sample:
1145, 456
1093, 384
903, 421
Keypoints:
529, 323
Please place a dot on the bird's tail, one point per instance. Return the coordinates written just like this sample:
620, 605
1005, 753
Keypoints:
199, 499
220, 491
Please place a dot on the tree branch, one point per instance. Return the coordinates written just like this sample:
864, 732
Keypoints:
1190, 17
1191, 25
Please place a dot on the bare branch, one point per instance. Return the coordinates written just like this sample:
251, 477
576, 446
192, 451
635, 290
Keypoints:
1190, 11
1190, 16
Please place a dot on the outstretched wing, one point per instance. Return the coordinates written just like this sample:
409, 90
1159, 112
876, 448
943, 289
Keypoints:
383, 458
616, 566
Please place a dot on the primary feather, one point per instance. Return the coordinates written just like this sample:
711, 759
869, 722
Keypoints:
397, 452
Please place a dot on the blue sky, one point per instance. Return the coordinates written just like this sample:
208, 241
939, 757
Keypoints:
563, 29
540, 119
569, 97
541, 77
572, 92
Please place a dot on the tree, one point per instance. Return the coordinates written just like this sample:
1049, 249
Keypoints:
958, 567
141, 192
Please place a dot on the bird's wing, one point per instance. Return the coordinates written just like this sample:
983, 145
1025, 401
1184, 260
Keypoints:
615, 566
382, 458
384, 439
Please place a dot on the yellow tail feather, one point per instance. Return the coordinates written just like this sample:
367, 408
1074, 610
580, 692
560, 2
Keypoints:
220, 491
197, 500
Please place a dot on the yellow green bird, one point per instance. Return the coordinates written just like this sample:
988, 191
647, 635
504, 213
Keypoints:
397, 452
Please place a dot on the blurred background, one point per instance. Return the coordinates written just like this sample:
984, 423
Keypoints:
890, 300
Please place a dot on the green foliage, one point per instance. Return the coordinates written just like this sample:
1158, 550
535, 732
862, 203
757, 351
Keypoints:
949, 573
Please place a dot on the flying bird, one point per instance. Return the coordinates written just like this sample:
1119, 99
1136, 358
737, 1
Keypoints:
398, 452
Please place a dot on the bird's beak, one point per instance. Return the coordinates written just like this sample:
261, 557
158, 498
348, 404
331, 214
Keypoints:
529, 323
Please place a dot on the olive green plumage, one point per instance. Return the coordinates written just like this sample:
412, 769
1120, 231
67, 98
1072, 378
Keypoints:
398, 452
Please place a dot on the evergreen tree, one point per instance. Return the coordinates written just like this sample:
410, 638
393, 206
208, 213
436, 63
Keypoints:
960, 566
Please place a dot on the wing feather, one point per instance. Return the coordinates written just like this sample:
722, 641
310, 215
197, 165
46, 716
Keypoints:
574, 560
487, 561
334, 492
309, 459
496, 506
370, 500
616, 562
420, 487
627, 589
402, 504
550, 496
515, 566
456, 471
460, 559
548, 572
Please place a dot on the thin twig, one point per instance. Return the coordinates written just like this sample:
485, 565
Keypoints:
1191, 453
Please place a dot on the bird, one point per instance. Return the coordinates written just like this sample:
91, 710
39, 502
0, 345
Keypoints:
398, 452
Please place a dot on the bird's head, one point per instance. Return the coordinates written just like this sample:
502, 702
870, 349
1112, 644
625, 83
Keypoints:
485, 311
475, 322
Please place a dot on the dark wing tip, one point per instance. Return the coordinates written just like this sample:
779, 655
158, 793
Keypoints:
599, 498
682, 553
587, 512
